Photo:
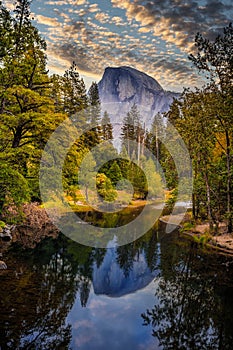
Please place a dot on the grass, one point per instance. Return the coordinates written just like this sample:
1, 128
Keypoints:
202, 239
2, 224
75, 201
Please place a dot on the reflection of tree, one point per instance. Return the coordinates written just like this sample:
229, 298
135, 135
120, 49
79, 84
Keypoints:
125, 258
98, 256
184, 316
84, 292
36, 299
39, 298
151, 250
147, 245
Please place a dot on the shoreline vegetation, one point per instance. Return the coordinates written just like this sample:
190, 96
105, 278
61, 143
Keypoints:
199, 232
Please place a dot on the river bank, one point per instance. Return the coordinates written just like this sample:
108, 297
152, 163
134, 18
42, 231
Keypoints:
37, 225
221, 242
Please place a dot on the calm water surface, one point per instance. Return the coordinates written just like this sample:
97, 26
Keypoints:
159, 292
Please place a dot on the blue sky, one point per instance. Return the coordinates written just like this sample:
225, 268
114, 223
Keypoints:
152, 36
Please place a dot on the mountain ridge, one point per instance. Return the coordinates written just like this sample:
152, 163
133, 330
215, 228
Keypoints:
121, 87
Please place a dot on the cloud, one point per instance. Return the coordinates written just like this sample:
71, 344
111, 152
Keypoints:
154, 37
48, 21
9, 4
93, 8
102, 17
66, 2
177, 21
144, 30
117, 20
95, 48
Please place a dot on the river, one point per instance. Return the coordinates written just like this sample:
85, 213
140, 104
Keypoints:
159, 292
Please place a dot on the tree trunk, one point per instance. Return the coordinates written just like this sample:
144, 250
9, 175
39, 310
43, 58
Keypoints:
139, 148
194, 206
86, 193
208, 196
2, 105
157, 149
229, 213
17, 137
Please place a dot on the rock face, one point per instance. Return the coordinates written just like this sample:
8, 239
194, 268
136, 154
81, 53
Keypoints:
121, 87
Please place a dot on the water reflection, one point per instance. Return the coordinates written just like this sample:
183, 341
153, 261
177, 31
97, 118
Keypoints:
37, 292
62, 295
41, 286
194, 300
126, 269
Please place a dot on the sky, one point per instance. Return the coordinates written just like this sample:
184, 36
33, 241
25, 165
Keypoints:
155, 37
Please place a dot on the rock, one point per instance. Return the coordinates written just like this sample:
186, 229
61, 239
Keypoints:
121, 87
3, 265
5, 237
5, 234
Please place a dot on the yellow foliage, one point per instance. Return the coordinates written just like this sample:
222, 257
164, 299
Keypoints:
220, 146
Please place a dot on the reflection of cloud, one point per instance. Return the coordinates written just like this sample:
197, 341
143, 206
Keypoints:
95, 304
88, 331
99, 325
150, 345
82, 323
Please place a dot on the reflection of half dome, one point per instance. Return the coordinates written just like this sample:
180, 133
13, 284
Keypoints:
109, 278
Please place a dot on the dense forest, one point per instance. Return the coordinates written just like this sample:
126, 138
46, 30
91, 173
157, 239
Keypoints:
34, 103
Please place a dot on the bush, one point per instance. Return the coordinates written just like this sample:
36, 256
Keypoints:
14, 188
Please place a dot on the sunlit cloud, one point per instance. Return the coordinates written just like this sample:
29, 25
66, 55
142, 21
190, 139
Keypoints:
154, 37
176, 21
66, 2
48, 21
9, 4
93, 8
102, 17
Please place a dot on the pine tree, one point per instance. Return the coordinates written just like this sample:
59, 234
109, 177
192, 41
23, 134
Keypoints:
107, 128
114, 173
128, 129
6, 32
73, 91
94, 104
93, 137
155, 144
